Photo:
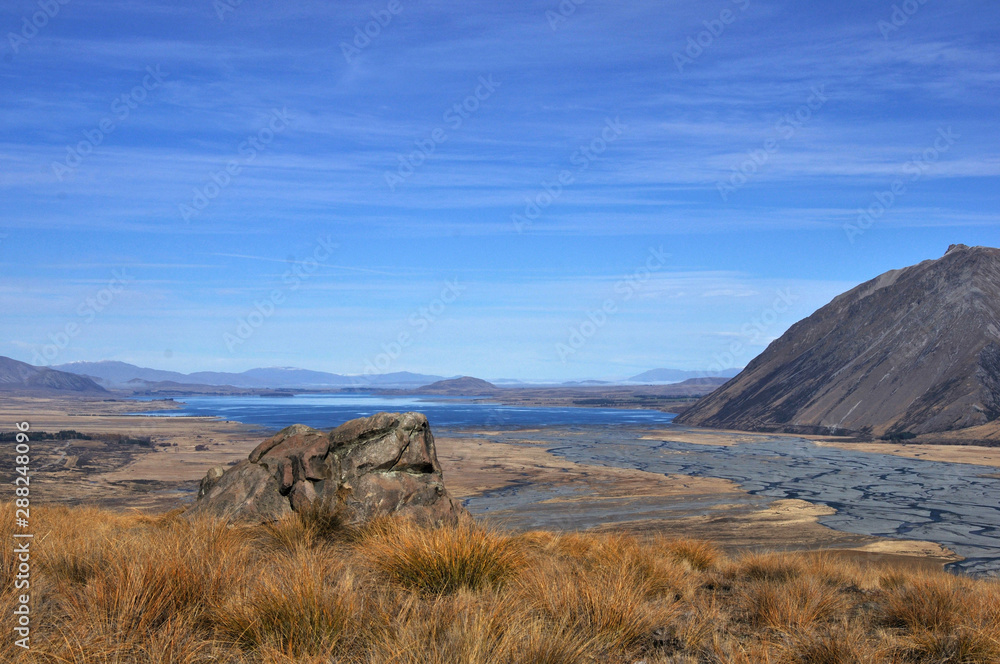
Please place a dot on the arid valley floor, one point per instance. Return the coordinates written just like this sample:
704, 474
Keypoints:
512, 478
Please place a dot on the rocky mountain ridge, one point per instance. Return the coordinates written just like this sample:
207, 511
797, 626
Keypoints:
915, 350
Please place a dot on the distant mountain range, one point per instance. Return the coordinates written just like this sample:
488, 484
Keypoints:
913, 351
23, 377
677, 375
121, 374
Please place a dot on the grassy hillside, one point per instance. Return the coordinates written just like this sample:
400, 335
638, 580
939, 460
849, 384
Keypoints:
113, 588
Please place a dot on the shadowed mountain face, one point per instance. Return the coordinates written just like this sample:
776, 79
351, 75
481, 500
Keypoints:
914, 350
24, 377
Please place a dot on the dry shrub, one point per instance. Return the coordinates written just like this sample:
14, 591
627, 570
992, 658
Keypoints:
72, 543
542, 642
931, 602
962, 644
138, 589
131, 588
890, 580
694, 627
613, 608
730, 651
945, 618
655, 566
834, 570
286, 535
655, 569
440, 560
841, 644
326, 519
145, 575
307, 607
799, 604
776, 567
177, 642
697, 554
574, 546
538, 540
464, 626
110, 588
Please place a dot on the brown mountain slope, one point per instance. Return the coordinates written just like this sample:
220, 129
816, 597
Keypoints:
463, 386
23, 377
913, 350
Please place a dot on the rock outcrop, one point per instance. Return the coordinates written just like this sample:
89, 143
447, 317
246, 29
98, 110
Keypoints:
378, 465
914, 351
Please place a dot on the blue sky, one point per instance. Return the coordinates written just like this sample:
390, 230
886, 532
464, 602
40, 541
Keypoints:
526, 189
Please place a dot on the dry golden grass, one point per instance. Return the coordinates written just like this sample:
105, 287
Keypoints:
110, 588
440, 560
792, 605
697, 554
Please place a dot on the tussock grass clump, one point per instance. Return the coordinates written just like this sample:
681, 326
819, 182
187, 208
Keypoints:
924, 602
653, 565
111, 588
697, 554
966, 645
313, 612
323, 521
658, 573
440, 560
944, 618
840, 644
612, 608
774, 567
541, 642
786, 605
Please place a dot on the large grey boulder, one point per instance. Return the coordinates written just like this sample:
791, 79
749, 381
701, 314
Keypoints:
378, 465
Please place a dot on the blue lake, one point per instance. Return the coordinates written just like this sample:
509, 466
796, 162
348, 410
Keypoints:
325, 411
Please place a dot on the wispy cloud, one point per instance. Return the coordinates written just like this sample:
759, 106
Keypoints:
352, 121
